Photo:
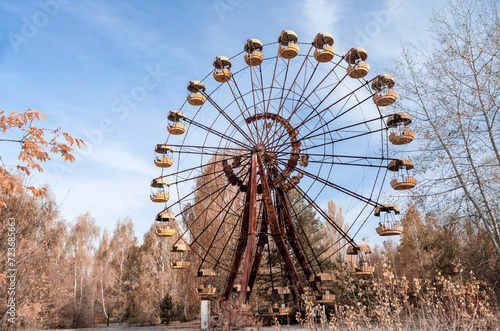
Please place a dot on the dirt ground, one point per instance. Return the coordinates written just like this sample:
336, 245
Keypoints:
186, 326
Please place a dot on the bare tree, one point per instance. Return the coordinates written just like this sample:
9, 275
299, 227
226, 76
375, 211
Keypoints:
452, 90
103, 273
336, 241
41, 273
80, 248
121, 245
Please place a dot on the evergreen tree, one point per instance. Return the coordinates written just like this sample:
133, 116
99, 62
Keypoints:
166, 309
312, 232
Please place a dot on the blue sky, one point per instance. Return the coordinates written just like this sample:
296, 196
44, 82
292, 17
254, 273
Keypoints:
109, 71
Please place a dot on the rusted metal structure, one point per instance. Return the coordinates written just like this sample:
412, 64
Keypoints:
252, 146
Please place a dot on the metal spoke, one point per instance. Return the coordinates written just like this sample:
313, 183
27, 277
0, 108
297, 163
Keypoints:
314, 110
344, 139
229, 119
336, 130
341, 114
200, 166
283, 99
244, 104
220, 225
194, 191
217, 133
335, 186
349, 163
328, 122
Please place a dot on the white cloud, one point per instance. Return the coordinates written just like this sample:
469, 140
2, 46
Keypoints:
119, 158
321, 16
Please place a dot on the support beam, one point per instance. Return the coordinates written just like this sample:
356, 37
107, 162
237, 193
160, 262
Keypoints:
252, 228
276, 231
261, 246
245, 233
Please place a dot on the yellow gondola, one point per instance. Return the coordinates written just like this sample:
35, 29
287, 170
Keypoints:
175, 125
284, 294
288, 48
163, 155
181, 261
283, 310
402, 181
206, 273
253, 49
164, 232
400, 135
361, 265
384, 95
324, 282
162, 226
357, 67
324, 51
205, 291
206, 288
279, 290
222, 72
195, 97
389, 225
160, 190
178, 264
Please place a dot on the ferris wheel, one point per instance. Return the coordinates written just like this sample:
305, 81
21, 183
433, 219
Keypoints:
265, 132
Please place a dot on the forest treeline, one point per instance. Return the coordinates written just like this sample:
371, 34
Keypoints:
76, 274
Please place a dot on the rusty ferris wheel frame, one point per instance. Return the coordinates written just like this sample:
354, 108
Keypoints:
273, 137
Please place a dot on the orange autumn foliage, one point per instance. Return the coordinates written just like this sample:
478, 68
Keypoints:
34, 142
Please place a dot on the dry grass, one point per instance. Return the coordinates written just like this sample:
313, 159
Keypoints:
391, 303
229, 315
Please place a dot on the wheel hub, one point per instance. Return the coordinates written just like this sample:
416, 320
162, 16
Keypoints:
260, 149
